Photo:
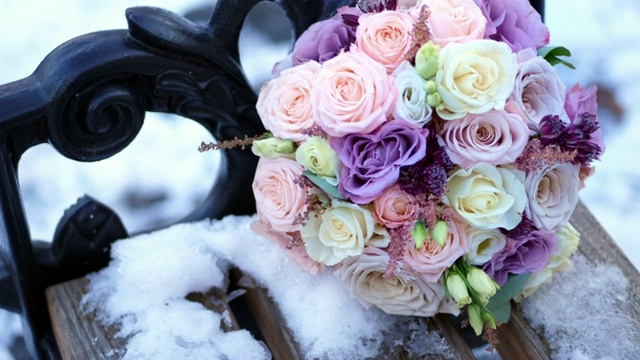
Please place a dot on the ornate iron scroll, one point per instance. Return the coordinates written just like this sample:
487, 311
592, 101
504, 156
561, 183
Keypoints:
88, 98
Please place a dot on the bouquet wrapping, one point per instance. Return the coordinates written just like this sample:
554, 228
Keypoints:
427, 153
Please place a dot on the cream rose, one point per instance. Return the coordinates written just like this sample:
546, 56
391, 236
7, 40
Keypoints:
385, 37
284, 103
412, 96
456, 21
278, 198
431, 260
353, 94
474, 77
394, 207
487, 197
404, 293
553, 195
341, 231
483, 244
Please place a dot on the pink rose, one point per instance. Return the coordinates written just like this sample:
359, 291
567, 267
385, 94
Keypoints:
385, 37
353, 94
431, 260
295, 250
404, 293
495, 137
284, 103
455, 21
394, 207
278, 198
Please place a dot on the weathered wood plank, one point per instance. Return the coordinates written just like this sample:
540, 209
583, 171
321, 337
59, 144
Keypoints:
518, 340
79, 336
82, 337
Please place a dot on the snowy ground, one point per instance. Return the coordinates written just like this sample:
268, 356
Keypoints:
603, 39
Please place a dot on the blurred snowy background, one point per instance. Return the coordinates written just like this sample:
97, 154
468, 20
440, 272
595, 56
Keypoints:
161, 177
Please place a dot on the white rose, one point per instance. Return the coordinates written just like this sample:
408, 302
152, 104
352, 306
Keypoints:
553, 195
412, 96
404, 293
483, 244
534, 282
567, 240
341, 231
487, 197
475, 77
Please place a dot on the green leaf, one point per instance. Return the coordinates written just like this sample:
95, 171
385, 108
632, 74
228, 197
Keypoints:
502, 298
324, 185
553, 53
501, 313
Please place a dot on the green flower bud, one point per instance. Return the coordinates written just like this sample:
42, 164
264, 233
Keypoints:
317, 156
273, 147
481, 283
427, 60
475, 318
439, 232
434, 100
488, 318
458, 289
430, 87
419, 234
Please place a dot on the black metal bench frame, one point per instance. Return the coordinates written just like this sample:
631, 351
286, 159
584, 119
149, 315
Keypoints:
88, 98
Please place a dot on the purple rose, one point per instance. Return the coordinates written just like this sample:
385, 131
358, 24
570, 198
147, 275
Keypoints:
325, 39
371, 162
514, 22
528, 253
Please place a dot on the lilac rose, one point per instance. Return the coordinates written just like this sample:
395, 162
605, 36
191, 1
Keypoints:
327, 38
538, 90
528, 253
371, 162
514, 22
579, 101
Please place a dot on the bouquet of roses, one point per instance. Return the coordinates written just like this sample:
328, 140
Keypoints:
427, 154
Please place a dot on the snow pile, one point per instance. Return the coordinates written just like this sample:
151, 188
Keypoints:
585, 313
142, 292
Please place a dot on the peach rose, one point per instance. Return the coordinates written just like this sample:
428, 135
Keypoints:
404, 293
385, 37
455, 21
278, 198
284, 103
353, 94
431, 260
394, 207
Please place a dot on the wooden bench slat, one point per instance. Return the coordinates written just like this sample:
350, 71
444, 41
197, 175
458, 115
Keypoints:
518, 340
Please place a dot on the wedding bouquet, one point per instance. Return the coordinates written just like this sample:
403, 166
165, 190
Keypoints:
427, 154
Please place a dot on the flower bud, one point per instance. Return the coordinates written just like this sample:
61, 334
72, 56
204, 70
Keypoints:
439, 232
487, 317
273, 147
475, 318
434, 100
458, 289
481, 283
427, 60
317, 156
430, 87
419, 234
